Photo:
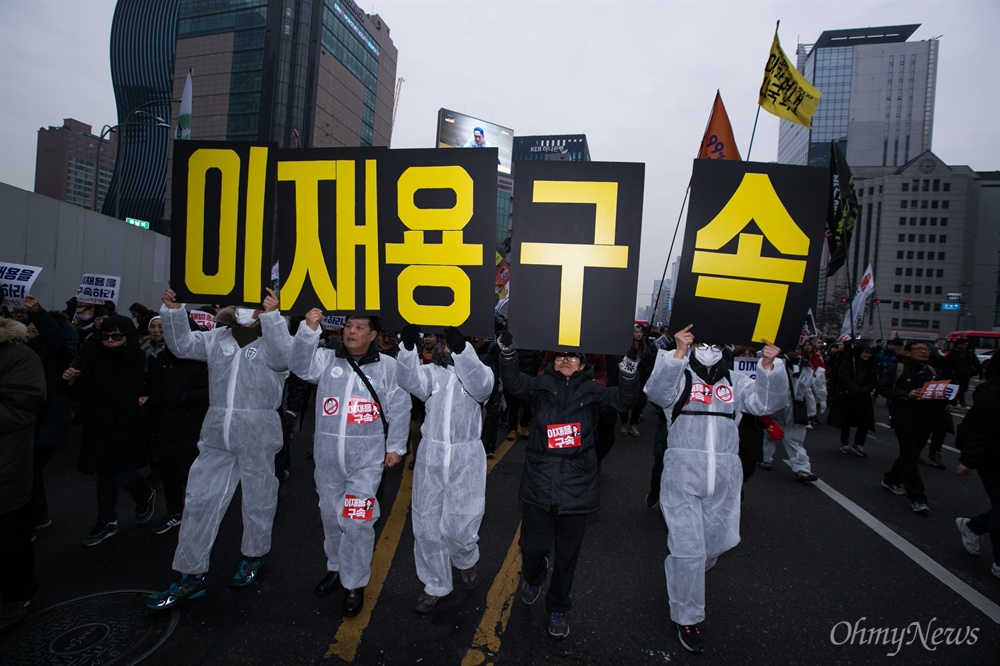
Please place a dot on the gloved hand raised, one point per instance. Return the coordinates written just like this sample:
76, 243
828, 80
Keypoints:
505, 341
630, 363
455, 339
409, 335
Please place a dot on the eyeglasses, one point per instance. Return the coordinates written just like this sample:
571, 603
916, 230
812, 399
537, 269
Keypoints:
117, 337
705, 345
567, 357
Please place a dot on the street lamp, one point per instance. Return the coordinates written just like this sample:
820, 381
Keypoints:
105, 131
154, 121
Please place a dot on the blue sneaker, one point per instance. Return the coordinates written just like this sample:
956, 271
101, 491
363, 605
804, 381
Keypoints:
247, 573
186, 587
558, 626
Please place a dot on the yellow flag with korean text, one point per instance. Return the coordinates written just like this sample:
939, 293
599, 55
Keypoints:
784, 91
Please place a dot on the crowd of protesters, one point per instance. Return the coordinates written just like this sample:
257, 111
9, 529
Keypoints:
210, 408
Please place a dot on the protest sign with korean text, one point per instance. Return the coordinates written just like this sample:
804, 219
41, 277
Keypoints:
575, 253
220, 250
402, 234
16, 281
752, 250
97, 289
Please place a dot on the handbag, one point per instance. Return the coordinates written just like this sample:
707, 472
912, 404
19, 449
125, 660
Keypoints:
800, 415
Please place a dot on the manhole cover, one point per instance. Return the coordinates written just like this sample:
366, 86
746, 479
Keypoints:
107, 628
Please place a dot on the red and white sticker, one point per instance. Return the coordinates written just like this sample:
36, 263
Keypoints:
564, 435
362, 411
330, 406
358, 508
702, 393
724, 394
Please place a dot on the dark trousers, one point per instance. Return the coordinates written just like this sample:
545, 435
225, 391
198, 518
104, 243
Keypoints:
174, 475
631, 417
490, 425
538, 527
604, 433
905, 469
17, 559
859, 435
518, 411
990, 520
39, 504
107, 492
963, 386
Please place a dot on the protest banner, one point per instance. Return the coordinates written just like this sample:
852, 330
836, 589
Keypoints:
576, 241
403, 234
205, 320
15, 282
732, 285
939, 390
331, 322
746, 366
97, 289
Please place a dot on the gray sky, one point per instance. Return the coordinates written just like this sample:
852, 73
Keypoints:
638, 78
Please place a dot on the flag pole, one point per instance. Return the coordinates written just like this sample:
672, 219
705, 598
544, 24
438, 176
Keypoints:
663, 277
753, 132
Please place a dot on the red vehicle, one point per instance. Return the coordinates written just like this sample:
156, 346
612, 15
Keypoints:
983, 342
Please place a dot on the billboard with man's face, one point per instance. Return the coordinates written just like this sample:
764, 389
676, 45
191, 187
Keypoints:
457, 130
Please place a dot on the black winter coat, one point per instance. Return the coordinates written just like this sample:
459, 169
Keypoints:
178, 401
904, 413
115, 427
565, 478
852, 404
978, 437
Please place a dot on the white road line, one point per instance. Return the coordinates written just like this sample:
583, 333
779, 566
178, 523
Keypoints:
990, 609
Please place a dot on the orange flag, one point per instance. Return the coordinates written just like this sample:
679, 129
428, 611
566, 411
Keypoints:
718, 143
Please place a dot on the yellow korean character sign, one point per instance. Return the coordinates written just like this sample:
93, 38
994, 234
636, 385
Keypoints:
752, 250
575, 255
404, 234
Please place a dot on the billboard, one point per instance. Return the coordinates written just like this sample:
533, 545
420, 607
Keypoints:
457, 130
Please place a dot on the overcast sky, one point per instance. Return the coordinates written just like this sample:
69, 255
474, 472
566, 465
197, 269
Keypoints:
638, 78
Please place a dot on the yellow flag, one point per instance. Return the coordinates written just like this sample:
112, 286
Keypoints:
785, 92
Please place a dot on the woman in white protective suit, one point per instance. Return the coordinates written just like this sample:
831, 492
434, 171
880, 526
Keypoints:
795, 418
449, 483
702, 475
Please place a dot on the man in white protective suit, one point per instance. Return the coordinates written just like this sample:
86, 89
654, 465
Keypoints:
362, 421
449, 483
247, 356
702, 474
795, 419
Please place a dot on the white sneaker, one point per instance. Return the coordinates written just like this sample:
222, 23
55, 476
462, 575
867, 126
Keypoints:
972, 541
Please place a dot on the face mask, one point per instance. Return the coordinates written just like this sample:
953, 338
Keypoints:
707, 356
85, 316
244, 316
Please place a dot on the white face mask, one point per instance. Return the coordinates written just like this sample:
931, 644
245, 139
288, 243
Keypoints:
707, 356
244, 316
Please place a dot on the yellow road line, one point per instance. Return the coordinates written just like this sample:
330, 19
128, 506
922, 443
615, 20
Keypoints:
499, 600
345, 643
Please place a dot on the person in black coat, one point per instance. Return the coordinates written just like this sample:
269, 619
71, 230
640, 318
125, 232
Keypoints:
47, 337
852, 404
559, 483
912, 417
978, 439
178, 402
965, 365
111, 385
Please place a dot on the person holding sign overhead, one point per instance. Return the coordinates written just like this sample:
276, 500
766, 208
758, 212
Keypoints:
449, 484
362, 416
247, 356
913, 416
559, 485
702, 474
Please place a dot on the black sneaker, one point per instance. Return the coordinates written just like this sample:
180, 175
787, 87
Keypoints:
187, 586
920, 507
425, 603
167, 524
144, 510
805, 477
42, 523
12, 612
859, 451
529, 593
470, 577
102, 530
247, 572
894, 488
690, 638
652, 499
558, 626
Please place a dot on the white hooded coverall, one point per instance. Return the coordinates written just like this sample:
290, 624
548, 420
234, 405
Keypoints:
449, 479
349, 446
240, 435
803, 381
702, 475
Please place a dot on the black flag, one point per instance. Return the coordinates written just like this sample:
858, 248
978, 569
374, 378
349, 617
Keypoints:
843, 212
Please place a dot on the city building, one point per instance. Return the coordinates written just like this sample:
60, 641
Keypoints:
309, 73
930, 232
65, 163
878, 98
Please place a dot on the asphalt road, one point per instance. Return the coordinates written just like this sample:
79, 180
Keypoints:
841, 571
